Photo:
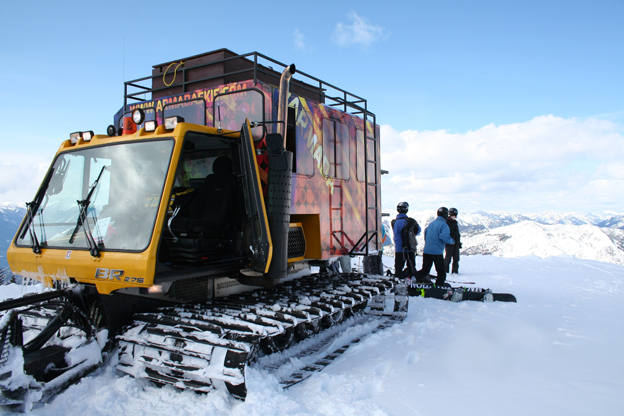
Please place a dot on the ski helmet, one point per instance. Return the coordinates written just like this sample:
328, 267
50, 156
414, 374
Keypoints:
403, 207
443, 212
453, 212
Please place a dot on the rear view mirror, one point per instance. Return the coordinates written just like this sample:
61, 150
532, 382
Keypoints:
58, 179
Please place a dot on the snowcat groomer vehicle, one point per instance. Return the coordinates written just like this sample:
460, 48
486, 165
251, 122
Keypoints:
186, 238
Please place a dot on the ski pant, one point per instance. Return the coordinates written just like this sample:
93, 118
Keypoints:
428, 261
399, 262
452, 253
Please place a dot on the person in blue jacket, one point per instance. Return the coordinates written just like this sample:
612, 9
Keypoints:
437, 235
403, 251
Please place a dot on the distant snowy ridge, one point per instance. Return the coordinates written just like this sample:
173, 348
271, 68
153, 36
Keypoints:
616, 235
10, 219
528, 238
552, 218
543, 235
616, 221
481, 233
483, 220
488, 220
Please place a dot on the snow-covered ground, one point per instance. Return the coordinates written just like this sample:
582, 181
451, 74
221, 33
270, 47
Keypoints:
558, 351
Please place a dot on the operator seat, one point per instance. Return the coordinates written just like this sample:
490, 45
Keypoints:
205, 233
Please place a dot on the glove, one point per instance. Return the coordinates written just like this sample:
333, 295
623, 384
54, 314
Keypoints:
460, 245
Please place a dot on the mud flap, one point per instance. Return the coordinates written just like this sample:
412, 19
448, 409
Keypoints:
394, 304
401, 301
236, 360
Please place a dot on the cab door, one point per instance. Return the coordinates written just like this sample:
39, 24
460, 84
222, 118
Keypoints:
256, 234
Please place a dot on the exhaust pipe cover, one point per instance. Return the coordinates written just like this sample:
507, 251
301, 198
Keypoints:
282, 109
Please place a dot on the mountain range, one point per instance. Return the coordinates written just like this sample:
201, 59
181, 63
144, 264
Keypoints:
10, 219
596, 236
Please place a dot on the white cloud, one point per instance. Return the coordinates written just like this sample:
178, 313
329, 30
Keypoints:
20, 177
359, 32
547, 163
299, 39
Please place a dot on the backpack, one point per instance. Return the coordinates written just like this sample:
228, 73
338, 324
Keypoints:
408, 233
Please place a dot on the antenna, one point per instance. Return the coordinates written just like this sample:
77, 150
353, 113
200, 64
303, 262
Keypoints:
219, 118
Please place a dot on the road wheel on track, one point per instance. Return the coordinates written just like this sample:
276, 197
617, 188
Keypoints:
277, 343
326, 321
358, 308
338, 316
348, 313
306, 329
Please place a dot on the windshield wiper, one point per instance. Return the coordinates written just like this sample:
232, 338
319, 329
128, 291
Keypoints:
36, 248
32, 208
82, 216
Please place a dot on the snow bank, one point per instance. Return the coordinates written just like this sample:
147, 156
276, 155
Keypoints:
13, 291
556, 352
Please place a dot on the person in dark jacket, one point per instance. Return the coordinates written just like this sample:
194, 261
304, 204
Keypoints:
452, 250
403, 252
437, 234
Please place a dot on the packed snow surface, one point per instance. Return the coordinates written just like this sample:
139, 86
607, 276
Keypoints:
558, 351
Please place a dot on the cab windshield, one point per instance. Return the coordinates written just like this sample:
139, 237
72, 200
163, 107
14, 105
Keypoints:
116, 188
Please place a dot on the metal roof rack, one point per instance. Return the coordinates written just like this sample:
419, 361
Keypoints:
223, 66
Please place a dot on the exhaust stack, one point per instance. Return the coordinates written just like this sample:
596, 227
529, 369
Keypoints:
279, 185
282, 109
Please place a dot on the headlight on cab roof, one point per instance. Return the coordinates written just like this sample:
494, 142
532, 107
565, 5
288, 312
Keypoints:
84, 135
74, 137
138, 116
150, 125
172, 122
87, 135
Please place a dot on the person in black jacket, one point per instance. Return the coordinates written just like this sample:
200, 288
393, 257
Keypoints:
404, 252
452, 250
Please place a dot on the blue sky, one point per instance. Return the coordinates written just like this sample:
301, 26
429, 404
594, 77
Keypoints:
485, 105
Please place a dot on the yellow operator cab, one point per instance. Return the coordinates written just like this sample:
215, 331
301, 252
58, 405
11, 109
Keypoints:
104, 212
